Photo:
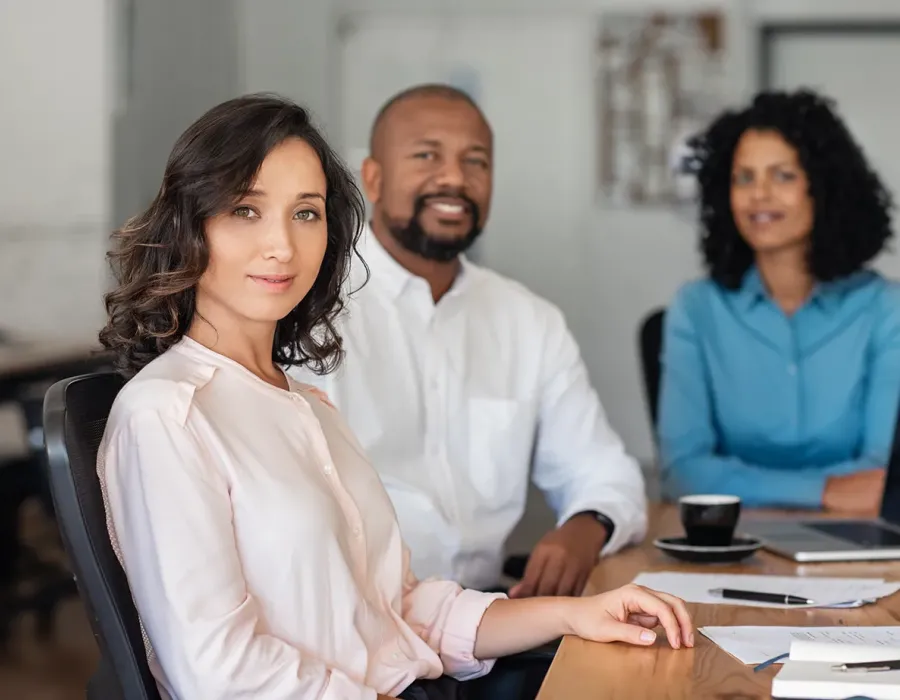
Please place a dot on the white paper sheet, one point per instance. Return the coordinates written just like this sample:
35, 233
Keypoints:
827, 592
753, 645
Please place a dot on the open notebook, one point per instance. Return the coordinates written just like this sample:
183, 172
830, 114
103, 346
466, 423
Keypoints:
809, 672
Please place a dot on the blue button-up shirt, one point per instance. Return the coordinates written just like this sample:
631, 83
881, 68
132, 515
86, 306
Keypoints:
767, 406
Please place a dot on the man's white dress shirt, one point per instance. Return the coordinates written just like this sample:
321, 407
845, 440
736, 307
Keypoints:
455, 402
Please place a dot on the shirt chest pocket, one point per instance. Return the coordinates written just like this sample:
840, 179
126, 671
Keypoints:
500, 440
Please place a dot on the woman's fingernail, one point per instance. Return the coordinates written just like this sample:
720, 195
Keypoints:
648, 636
690, 639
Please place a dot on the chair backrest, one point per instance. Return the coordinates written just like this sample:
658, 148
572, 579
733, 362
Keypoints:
75, 414
650, 346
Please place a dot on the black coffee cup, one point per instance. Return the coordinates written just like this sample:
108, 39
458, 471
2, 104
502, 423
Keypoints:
709, 520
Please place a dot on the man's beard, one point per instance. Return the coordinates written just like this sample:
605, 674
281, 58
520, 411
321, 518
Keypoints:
417, 240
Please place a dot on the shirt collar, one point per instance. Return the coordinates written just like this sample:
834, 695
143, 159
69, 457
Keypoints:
751, 290
392, 276
826, 295
829, 295
217, 361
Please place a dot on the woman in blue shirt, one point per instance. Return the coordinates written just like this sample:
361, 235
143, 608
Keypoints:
781, 371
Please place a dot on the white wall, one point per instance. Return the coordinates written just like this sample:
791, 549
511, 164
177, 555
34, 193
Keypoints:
824, 10
287, 46
79, 155
55, 167
189, 56
185, 60
831, 63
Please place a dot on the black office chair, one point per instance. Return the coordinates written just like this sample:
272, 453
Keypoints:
75, 414
650, 342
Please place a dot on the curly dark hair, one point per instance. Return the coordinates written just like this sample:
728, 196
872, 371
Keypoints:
159, 256
852, 207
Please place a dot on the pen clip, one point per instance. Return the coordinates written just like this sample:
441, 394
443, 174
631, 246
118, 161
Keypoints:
867, 667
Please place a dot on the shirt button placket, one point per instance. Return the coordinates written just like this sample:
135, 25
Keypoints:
433, 396
438, 408
793, 373
342, 496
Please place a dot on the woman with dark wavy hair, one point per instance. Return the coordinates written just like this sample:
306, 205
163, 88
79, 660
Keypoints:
781, 372
262, 552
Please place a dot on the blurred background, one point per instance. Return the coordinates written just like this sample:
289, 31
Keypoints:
590, 101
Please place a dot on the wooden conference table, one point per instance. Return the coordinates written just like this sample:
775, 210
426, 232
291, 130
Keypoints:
583, 670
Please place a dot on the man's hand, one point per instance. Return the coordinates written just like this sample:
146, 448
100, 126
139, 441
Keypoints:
855, 494
563, 560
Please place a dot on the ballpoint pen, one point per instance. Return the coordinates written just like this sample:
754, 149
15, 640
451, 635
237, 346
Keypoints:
869, 666
756, 596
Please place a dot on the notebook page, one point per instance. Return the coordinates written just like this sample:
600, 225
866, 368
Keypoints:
754, 645
847, 646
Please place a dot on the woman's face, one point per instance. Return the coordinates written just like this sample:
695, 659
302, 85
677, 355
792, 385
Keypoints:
770, 199
266, 250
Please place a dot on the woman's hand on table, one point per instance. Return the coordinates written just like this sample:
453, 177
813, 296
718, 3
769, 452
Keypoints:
629, 614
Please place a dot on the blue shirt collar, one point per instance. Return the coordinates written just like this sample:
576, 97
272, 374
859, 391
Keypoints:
826, 295
752, 290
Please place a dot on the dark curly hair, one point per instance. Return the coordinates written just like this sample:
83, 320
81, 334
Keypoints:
159, 256
852, 208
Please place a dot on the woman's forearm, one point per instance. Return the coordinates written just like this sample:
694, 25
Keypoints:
511, 626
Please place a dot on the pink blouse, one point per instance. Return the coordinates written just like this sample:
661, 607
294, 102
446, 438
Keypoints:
261, 549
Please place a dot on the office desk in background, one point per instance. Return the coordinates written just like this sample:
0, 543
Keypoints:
26, 361
589, 671
19, 357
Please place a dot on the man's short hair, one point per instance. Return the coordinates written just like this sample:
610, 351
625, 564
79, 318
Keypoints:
425, 90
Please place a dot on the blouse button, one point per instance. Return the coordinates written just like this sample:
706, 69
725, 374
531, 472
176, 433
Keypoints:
792, 369
327, 469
